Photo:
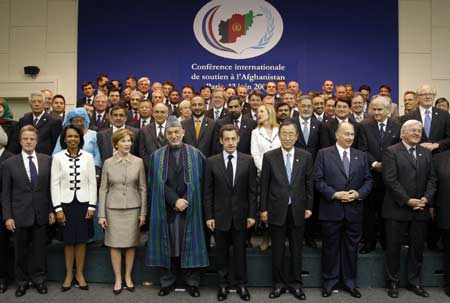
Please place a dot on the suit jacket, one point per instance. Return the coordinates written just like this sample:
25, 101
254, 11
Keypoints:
205, 142
245, 134
82, 101
314, 136
148, 143
404, 179
440, 127
249, 115
325, 119
49, 130
230, 205
11, 129
210, 113
105, 144
6, 154
330, 177
173, 112
328, 132
22, 201
123, 185
276, 189
246, 108
441, 164
57, 116
104, 125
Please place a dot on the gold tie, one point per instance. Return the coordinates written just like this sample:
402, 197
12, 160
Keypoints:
197, 128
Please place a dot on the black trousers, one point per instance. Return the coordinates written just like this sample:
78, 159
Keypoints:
281, 277
168, 277
340, 252
5, 256
372, 216
394, 233
446, 241
30, 251
225, 239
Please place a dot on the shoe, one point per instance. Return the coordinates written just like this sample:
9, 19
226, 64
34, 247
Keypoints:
117, 291
193, 291
326, 293
222, 293
82, 287
276, 293
310, 243
164, 291
130, 288
366, 249
41, 288
21, 290
418, 290
243, 293
298, 293
3, 287
392, 291
354, 292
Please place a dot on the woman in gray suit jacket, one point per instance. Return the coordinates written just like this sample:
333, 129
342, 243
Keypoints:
122, 205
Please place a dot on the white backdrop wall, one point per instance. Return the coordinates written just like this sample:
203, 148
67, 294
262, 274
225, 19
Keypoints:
44, 33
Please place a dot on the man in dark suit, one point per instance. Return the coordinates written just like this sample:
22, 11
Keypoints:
151, 137
319, 105
48, 127
5, 234
435, 137
254, 102
410, 184
199, 130
217, 111
88, 91
377, 133
328, 130
286, 200
235, 117
27, 210
357, 108
100, 119
118, 117
58, 107
343, 179
230, 208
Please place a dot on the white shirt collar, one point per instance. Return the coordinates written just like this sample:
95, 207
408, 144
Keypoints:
303, 120
117, 128
2, 150
341, 151
25, 155
341, 120
225, 155
38, 117
384, 122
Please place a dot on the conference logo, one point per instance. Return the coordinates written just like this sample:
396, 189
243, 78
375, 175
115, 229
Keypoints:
238, 29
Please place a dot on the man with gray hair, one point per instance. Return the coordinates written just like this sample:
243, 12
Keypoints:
48, 127
377, 133
144, 87
5, 257
410, 183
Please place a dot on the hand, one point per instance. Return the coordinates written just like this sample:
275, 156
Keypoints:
378, 167
61, 218
354, 195
264, 216
343, 196
90, 214
428, 146
250, 222
141, 221
103, 223
308, 213
211, 224
181, 205
10, 224
51, 218
433, 214
416, 204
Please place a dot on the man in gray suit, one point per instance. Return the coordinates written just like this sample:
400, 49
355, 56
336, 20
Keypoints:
27, 210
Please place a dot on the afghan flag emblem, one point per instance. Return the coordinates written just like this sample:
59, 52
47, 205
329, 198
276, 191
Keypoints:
236, 26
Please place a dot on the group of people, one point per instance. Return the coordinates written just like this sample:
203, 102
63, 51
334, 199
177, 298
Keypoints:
219, 163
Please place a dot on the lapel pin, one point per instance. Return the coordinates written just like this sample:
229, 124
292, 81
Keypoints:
313, 127
435, 113
206, 124
356, 158
297, 160
245, 126
389, 131
420, 155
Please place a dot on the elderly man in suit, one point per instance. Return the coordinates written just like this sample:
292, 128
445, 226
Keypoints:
118, 116
377, 133
244, 124
286, 201
152, 136
217, 111
410, 183
343, 180
100, 119
199, 130
27, 210
48, 127
5, 234
230, 208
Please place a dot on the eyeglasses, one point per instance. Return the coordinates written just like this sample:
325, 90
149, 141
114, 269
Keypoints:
427, 95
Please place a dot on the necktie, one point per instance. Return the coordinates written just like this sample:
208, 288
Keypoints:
320, 118
288, 172
346, 163
381, 131
89, 101
197, 128
98, 122
35, 122
411, 152
236, 123
33, 171
255, 117
160, 134
230, 169
305, 132
143, 123
217, 114
427, 125
358, 118
135, 116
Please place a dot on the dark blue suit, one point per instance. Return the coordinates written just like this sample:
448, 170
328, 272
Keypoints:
341, 222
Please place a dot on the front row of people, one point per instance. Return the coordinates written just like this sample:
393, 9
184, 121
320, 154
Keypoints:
185, 192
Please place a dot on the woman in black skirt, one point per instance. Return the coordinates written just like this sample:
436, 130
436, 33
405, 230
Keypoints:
74, 196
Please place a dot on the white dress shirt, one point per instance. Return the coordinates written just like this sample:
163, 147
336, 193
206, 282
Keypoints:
341, 152
162, 129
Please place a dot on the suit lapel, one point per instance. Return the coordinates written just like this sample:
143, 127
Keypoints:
238, 170
224, 170
434, 122
282, 166
338, 161
407, 155
203, 127
24, 171
42, 121
295, 166
353, 163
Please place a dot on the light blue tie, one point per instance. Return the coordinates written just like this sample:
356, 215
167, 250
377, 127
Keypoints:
305, 132
346, 163
427, 125
288, 171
